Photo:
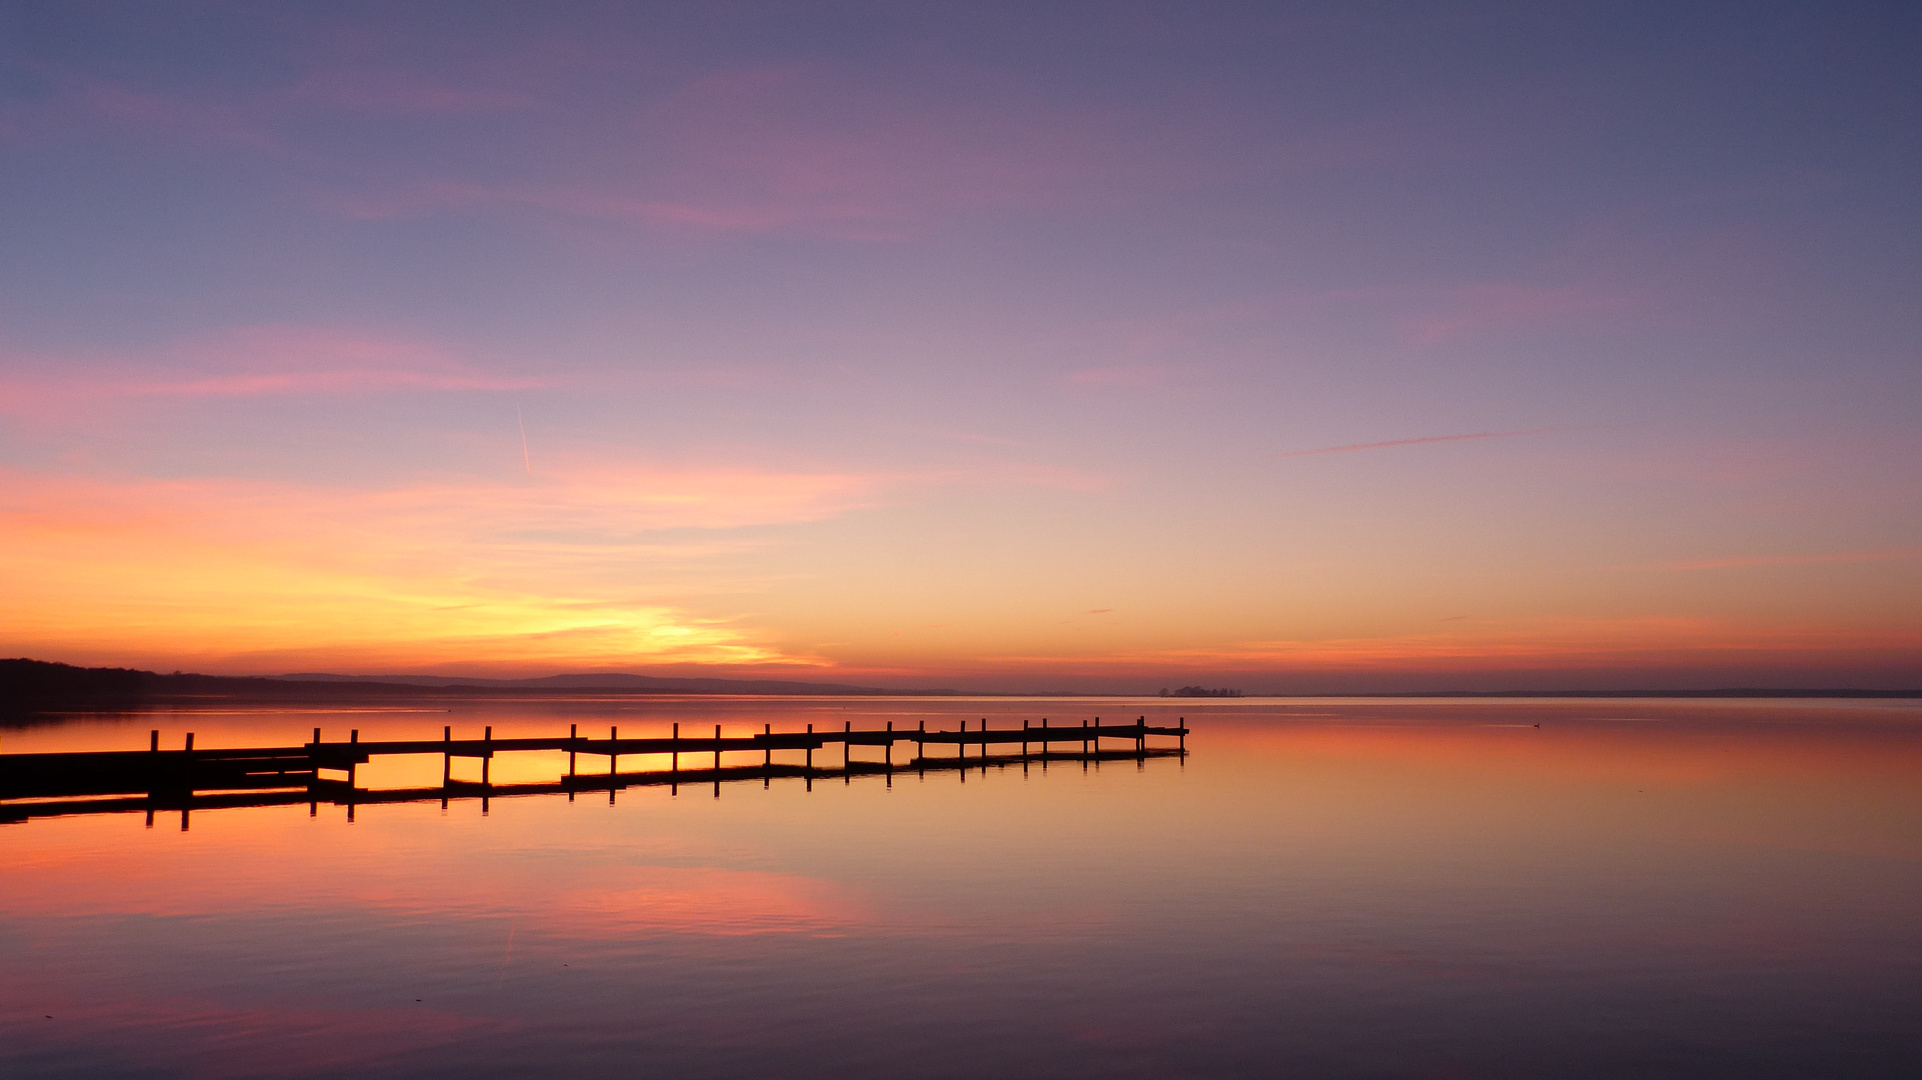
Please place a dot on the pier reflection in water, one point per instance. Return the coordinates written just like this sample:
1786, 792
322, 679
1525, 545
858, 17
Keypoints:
1318, 888
62, 783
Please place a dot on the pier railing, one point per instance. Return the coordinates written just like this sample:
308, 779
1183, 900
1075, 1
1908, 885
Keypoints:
120, 781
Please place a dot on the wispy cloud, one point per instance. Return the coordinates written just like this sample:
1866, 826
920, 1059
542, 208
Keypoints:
587, 562
799, 148
1485, 309
1740, 561
381, 91
1129, 376
1345, 448
577, 565
341, 381
1509, 645
247, 362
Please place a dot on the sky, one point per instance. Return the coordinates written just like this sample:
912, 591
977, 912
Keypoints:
1086, 346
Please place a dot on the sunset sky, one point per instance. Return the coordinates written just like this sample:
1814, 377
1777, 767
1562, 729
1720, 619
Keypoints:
1091, 346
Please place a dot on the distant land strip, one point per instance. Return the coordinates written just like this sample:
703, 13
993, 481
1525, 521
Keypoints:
41, 686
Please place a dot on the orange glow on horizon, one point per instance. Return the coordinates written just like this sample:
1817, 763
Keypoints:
586, 567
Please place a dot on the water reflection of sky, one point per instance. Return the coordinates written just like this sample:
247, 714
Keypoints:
1342, 889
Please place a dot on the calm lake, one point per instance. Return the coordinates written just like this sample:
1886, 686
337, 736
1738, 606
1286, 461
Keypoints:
1339, 888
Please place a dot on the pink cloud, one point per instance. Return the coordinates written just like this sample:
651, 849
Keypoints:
808, 149
375, 90
1135, 376
253, 361
1570, 644
1741, 561
795, 148
1499, 308
1413, 442
81, 103
340, 381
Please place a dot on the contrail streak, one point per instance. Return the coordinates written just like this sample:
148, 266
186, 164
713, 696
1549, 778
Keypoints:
522, 424
1413, 442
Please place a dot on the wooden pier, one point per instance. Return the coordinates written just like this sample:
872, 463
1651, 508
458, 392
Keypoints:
124, 781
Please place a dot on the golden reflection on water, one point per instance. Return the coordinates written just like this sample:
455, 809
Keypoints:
1698, 871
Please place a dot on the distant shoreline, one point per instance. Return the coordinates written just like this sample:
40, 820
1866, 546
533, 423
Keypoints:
38, 686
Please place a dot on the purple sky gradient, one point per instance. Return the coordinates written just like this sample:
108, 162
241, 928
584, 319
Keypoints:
990, 344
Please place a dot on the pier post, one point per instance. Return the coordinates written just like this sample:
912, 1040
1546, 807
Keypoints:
175, 778
674, 765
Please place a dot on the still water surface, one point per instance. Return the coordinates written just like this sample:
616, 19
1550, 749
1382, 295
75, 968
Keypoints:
1329, 888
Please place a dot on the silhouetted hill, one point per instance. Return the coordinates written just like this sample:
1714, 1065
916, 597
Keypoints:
38, 685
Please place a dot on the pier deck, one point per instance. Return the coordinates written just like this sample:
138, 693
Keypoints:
123, 781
